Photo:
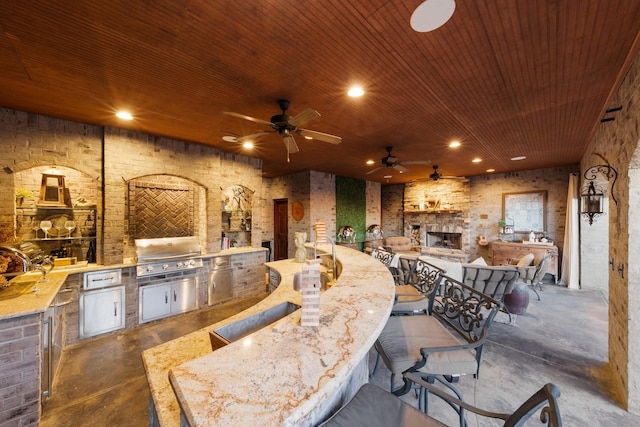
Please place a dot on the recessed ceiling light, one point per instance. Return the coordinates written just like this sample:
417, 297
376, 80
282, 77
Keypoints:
491, 170
455, 144
370, 162
476, 160
432, 14
248, 145
518, 158
124, 115
229, 138
355, 91
387, 176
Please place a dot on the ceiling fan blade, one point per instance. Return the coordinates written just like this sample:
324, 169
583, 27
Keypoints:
400, 168
324, 137
374, 170
303, 117
290, 143
253, 136
417, 162
252, 119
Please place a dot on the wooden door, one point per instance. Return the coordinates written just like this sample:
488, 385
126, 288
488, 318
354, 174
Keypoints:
280, 229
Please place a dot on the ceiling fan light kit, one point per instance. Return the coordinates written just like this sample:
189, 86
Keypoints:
391, 161
285, 126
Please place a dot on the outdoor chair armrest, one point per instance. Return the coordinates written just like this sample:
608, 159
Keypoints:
546, 398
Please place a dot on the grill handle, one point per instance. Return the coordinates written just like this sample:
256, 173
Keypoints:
164, 258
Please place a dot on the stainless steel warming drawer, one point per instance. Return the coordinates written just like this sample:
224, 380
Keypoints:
220, 280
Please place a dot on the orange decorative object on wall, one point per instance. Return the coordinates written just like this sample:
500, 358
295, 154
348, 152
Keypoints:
297, 211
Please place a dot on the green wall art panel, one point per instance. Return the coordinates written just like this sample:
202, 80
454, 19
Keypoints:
351, 205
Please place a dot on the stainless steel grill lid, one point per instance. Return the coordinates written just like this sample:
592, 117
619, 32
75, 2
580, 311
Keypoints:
167, 248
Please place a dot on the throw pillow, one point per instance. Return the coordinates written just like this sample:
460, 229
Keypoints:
526, 260
479, 261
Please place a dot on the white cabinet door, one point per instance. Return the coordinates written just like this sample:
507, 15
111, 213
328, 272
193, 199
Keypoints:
101, 311
183, 296
155, 301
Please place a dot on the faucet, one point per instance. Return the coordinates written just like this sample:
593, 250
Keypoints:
334, 269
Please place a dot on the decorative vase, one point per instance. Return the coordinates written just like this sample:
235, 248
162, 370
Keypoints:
19, 201
301, 251
518, 300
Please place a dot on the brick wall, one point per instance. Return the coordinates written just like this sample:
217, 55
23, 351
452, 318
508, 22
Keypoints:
616, 143
19, 376
486, 199
374, 213
392, 214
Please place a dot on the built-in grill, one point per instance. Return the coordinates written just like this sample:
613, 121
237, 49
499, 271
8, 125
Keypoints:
167, 255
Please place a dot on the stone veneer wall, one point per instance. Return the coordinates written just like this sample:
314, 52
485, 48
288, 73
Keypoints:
150, 155
392, 214
374, 214
322, 202
31, 140
481, 196
452, 194
486, 200
616, 143
19, 378
293, 188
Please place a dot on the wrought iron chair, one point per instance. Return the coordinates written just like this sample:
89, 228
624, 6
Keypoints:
414, 298
443, 346
391, 261
533, 276
374, 407
495, 281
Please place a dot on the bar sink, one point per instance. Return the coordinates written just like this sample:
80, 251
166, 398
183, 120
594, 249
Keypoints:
243, 327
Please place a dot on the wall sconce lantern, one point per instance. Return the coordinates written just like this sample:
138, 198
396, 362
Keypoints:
593, 195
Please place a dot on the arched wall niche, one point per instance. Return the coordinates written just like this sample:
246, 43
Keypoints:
237, 208
164, 205
83, 196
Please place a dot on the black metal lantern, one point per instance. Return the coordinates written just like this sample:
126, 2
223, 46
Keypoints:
593, 195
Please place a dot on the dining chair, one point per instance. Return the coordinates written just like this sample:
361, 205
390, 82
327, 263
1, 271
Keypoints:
443, 346
374, 407
414, 298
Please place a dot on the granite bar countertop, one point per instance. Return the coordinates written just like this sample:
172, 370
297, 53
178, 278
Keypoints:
279, 374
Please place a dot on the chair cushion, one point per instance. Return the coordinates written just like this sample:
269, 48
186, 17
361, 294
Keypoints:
401, 339
526, 260
374, 407
409, 299
452, 269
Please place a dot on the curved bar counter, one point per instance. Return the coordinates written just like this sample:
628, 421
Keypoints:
283, 374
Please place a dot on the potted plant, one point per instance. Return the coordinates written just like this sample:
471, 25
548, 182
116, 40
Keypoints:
21, 194
501, 224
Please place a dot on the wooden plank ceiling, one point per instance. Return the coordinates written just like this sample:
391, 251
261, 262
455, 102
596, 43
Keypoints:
506, 78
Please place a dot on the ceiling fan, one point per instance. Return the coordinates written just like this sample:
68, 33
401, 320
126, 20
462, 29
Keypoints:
285, 126
436, 176
390, 161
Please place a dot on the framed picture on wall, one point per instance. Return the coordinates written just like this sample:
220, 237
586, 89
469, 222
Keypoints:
527, 210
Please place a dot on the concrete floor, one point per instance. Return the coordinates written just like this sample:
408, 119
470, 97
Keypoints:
561, 339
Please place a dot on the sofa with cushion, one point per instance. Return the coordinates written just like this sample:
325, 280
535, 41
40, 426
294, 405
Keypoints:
401, 245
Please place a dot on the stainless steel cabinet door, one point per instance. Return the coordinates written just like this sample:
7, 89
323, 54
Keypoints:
183, 296
101, 311
155, 301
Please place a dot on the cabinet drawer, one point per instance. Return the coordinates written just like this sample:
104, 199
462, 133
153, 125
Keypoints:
102, 279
